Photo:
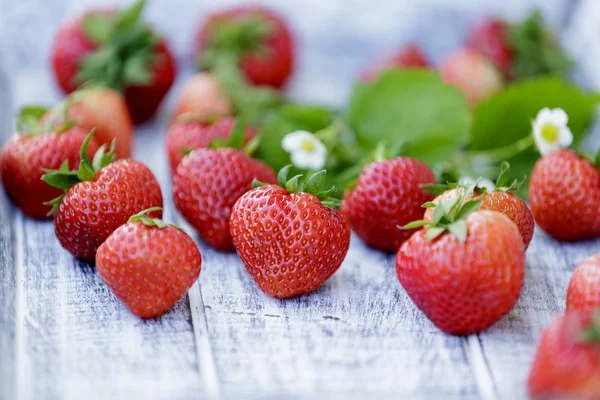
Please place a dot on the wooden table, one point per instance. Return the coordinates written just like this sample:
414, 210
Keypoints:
63, 335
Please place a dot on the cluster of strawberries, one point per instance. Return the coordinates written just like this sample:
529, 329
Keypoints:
460, 255
495, 52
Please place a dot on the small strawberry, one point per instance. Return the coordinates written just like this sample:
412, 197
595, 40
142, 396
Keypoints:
98, 198
491, 37
465, 270
26, 156
115, 49
256, 38
584, 287
202, 98
101, 109
290, 241
564, 194
148, 264
387, 194
501, 199
185, 136
208, 182
409, 56
472, 74
567, 360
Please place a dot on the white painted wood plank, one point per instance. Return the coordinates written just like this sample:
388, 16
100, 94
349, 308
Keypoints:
8, 276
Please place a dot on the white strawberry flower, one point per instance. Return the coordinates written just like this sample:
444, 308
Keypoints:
484, 183
550, 130
306, 150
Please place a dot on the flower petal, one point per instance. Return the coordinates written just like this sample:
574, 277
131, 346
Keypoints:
293, 140
559, 117
565, 137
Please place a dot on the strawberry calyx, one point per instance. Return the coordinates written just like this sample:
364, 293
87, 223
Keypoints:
592, 333
126, 49
502, 184
297, 184
236, 140
29, 120
235, 38
145, 219
449, 215
64, 178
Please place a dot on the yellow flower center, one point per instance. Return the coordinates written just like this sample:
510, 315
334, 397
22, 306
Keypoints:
550, 133
308, 146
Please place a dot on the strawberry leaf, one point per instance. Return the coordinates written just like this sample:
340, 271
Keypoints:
315, 182
28, 119
413, 107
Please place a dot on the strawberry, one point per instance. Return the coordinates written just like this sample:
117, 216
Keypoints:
25, 156
254, 37
564, 193
465, 270
491, 37
387, 194
472, 74
148, 264
98, 198
202, 98
584, 287
290, 241
567, 360
519, 50
115, 49
207, 184
183, 137
409, 56
101, 109
502, 199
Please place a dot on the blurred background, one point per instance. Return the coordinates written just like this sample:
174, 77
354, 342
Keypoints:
335, 38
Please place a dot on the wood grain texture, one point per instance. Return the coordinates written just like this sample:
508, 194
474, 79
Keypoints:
63, 335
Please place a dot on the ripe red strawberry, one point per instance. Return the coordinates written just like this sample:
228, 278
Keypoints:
502, 199
98, 198
101, 109
115, 49
202, 98
584, 288
564, 194
465, 270
183, 137
24, 158
255, 37
567, 360
387, 194
491, 37
409, 56
207, 184
148, 264
288, 239
472, 74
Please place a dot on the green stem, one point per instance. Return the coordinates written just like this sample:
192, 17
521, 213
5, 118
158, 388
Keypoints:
499, 154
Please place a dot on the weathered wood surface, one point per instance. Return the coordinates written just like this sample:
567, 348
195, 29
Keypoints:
63, 335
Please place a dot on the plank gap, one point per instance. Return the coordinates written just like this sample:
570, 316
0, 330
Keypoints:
481, 370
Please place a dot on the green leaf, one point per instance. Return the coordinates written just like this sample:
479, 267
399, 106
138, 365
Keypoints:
28, 119
536, 49
468, 208
237, 136
283, 174
459, 229
505, 118
415, 224
434, 232
315, 182
98, 27
129, 16
293, 185
413, 107
136, 71
256, 183
287, 119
